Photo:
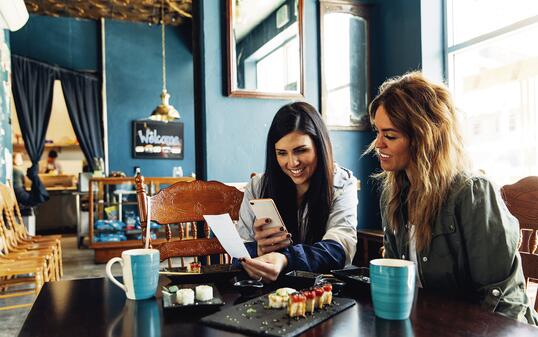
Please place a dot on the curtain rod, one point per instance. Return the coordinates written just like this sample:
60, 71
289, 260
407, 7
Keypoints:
56, 67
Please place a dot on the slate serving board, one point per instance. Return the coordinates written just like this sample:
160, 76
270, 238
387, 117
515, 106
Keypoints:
212, 304
271, 322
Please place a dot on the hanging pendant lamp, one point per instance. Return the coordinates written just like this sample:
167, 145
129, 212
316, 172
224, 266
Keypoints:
164, 111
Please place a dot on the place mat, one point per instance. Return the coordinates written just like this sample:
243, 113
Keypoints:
253, 317
358, 277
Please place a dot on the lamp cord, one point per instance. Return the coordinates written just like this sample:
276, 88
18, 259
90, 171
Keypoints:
163, 45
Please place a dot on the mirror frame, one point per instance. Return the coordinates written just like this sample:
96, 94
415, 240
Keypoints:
231, 79
364, 12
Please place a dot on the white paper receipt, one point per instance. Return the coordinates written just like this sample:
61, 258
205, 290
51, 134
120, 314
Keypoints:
224, 229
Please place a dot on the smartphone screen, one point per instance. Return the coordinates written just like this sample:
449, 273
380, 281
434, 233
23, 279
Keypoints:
266, 208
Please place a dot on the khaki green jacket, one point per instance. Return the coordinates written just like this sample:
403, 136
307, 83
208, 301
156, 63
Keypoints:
473, 250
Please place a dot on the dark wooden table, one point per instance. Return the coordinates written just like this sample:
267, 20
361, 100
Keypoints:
96, 307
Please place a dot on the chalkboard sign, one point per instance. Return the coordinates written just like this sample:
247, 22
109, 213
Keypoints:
157, 140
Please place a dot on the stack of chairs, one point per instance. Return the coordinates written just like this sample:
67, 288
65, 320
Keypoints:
24, 259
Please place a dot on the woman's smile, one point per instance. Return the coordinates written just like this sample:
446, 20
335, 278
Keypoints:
296, 156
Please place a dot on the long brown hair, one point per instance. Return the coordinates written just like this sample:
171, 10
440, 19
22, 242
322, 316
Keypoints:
424, 112
303, 117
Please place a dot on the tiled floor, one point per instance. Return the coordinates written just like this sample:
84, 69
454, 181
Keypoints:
77, 263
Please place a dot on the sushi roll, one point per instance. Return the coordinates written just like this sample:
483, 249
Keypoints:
296, 305
204, 293
185, 296
275, 301
327, 296
279, 299
319, 295
310, 296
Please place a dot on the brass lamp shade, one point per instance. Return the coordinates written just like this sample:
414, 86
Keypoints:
164, 111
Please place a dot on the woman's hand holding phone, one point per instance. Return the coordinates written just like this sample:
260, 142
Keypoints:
270, 238
270, 232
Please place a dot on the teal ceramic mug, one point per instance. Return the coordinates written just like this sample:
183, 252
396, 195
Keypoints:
392, 284
140, 269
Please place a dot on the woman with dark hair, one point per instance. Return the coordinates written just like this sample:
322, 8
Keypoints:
316, 198
452, 224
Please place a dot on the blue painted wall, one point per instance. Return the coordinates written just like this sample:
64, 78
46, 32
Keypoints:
236, 128
134, 84
396, 34
66, 42
6, 146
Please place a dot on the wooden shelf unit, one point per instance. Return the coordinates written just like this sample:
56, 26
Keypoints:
98, 192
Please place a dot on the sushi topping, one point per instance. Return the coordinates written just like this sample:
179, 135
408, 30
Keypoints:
318, 291
309, 294
297, 297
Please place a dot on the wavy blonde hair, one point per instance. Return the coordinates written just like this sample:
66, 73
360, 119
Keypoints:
424, 112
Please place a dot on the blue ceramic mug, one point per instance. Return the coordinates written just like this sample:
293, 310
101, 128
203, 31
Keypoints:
393, 287
140, 269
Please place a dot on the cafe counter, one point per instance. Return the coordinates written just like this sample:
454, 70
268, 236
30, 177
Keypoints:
59, 213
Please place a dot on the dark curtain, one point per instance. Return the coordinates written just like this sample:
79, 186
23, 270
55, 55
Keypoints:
32, 92
82, 98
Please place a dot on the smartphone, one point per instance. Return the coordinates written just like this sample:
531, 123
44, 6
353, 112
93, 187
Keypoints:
266, 208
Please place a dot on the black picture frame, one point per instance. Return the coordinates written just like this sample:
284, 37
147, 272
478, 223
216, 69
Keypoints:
157, 140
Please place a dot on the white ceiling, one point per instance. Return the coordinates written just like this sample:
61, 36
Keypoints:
249, 13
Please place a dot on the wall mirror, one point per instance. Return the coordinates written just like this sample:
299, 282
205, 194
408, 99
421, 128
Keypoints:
265, 48
345, 64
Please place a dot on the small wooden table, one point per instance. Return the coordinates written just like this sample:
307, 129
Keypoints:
96, 307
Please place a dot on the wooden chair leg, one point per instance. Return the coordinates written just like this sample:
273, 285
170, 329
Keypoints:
16, 306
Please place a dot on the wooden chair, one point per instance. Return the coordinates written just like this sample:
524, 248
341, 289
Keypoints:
522, 201
21, 235
15, 274
13, 251
42, 257
184, 204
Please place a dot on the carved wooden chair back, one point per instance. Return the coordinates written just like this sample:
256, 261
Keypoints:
184, 204
522, 201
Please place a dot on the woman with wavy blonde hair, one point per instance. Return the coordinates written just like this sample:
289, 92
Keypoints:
453, 225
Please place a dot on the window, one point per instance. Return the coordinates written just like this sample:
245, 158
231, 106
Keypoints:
493, 74
285, 61
345, 84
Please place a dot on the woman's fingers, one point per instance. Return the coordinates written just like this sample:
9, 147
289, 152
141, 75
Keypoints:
274, 239
264, 233
281, 245
274, 243
256, 268
259, 223
250, 271
254, 271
